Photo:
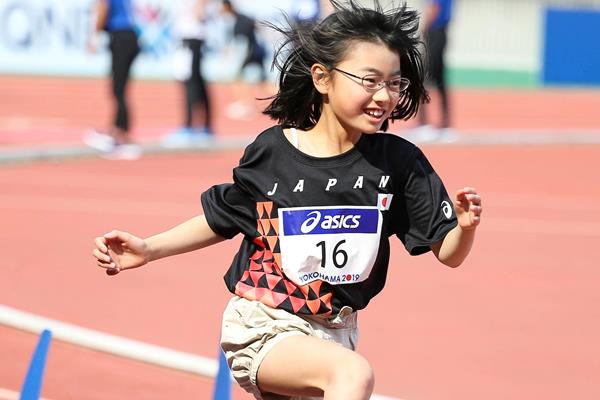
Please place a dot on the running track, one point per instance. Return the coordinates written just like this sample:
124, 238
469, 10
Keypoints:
519, 320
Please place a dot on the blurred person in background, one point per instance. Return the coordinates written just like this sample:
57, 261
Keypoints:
189, 27
252, 71
116, 18
436, 19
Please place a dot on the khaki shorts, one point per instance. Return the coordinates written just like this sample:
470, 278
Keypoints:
250, 329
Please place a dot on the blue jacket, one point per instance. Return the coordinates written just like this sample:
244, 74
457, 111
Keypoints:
120, 16
443, 18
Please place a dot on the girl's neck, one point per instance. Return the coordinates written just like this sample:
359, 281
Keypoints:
327, 138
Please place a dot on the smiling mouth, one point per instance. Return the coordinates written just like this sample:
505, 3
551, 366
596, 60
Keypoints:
375, 113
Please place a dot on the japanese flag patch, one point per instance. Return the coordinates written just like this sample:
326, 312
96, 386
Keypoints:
384, 201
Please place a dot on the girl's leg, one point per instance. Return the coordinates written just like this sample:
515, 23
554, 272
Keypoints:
308, 366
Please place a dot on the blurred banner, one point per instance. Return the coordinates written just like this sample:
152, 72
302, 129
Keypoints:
504, 42
571, 47
507, 42
48, 37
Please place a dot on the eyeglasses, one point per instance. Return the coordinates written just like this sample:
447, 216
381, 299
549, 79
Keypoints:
374, 83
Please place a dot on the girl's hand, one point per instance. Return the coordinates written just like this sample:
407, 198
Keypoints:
467, 205
117, 251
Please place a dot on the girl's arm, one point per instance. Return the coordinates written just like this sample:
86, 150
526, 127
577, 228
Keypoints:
456, 245
118, 250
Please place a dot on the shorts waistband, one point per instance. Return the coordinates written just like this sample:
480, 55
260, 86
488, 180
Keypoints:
345, 318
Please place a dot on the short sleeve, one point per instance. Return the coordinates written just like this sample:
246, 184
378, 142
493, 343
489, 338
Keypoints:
230, 208
426, 213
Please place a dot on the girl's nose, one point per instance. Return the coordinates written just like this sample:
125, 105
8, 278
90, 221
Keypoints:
383, 95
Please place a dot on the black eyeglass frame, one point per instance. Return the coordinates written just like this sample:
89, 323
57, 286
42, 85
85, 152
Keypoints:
379, 84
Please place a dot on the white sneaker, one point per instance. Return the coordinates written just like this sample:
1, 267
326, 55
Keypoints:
186, 137
423, 134
124, 152
447, 135
99, 141
240, 111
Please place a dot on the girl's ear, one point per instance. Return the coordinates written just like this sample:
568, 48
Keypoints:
320, 77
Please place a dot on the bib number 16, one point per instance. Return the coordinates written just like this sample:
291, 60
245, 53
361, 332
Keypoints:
337, 245
339, 257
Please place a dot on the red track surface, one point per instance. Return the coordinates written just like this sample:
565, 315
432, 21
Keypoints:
519, 320
44, 110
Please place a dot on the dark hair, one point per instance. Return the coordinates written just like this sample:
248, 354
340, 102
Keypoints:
298, 103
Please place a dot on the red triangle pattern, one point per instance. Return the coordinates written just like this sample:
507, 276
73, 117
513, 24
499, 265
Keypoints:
255, 276
267, 262
291, 288
275, 225
272, 281
314, 305
297, 303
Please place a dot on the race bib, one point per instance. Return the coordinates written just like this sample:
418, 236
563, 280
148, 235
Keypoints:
337, 245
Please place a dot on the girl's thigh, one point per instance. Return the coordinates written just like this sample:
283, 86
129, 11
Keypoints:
306, 366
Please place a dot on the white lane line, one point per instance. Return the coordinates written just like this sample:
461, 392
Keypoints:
116, 345
6, 394
108, 343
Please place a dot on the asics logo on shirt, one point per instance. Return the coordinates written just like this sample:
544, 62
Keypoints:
329, 222
447, 209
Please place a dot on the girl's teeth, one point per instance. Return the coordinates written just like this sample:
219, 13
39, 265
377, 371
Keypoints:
376, 114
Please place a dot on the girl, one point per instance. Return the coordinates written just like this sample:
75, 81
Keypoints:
316, 198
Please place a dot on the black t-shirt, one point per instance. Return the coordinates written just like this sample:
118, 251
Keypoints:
316, 229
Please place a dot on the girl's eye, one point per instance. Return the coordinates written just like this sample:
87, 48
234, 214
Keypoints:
395, 83
370, 82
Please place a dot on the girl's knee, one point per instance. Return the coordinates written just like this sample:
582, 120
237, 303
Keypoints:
356, 375
363, 374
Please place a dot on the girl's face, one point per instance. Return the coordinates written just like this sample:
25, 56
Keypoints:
354, 92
